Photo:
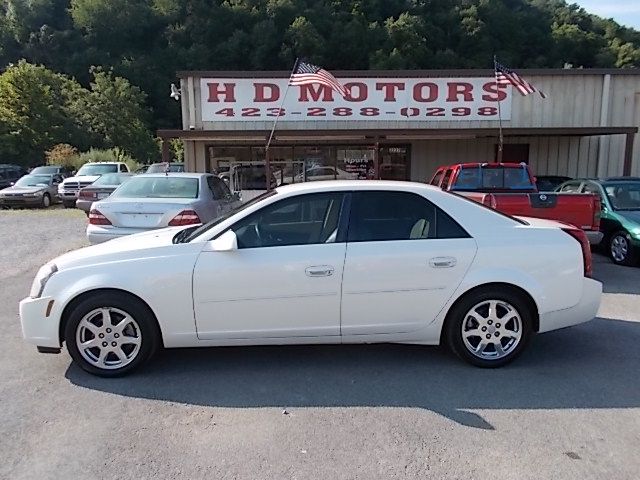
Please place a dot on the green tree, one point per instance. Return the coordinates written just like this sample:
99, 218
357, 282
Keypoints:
114, 113
34, 113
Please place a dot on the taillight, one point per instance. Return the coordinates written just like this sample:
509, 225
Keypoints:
86, 194
185, 217
97, 218
581, 237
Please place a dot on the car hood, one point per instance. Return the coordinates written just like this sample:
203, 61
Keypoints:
81, 178
630, 215
22, 189
146, 244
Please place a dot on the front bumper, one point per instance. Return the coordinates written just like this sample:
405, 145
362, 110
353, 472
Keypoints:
103, 233
38, 328
586, 309
21, 201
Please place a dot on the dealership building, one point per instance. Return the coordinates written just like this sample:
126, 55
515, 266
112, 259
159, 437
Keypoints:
404, 124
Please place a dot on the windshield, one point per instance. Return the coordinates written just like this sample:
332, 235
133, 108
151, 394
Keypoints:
485, 177
97, 169
33, 180
111, 179
623, 195
158, 187
45, 170
162, 167
190, 233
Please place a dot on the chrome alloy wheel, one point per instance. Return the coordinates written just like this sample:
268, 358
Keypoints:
492, 329
619, 248
108, 338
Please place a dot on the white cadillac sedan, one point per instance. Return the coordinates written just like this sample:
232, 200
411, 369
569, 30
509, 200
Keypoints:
325, 262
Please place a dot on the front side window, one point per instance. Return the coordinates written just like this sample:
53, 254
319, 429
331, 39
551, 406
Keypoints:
388, 216
301, 220
624, 195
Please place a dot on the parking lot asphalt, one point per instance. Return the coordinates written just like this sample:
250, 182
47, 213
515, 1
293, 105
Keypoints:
569, 408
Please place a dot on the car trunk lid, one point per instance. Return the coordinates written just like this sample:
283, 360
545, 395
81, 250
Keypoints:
142, 212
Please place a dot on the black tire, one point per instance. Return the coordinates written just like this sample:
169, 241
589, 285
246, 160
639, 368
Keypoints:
458, 314
46, 200
149, 334
69, 204
621, 249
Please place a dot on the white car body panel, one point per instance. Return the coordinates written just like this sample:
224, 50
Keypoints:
266, 292
391, 287
260, 295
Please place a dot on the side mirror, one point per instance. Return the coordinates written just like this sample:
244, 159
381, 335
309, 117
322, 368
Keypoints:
226, 242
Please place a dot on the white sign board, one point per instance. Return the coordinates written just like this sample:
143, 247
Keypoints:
370, 99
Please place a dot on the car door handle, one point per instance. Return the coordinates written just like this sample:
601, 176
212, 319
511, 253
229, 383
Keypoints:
443, 262
319, 271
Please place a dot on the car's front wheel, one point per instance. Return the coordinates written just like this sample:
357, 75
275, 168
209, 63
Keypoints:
46, 201
621, 250
69, 204
490, 327
110, 334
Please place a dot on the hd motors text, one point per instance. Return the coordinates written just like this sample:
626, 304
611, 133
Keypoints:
410, 99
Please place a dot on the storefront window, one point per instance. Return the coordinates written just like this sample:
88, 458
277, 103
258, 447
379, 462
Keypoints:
315, 163
356, 163
394, 163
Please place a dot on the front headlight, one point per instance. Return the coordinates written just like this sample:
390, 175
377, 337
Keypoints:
34, 194
42, 277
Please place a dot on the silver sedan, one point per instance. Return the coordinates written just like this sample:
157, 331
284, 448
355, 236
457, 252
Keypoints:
152, 201
40, 190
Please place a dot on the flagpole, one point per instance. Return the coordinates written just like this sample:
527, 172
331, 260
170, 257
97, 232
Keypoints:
267, 159
500, 137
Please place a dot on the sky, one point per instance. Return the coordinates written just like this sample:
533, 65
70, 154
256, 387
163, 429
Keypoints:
625, 12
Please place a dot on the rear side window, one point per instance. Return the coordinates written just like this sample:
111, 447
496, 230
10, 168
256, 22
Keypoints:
388, 216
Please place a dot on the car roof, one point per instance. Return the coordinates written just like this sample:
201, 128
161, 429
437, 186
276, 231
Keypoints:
328, 185
177, 174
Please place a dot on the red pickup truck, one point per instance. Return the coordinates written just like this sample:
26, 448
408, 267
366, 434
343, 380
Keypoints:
510, 188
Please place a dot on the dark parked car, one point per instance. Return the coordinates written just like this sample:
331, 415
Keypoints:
548, 183
64, 172
9, 174
162, 167
100, 189
620, 214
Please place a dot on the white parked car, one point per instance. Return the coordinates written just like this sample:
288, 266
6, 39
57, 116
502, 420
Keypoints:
157, 200
325, 262
69, 189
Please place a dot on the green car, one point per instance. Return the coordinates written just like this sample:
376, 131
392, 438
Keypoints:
620, 216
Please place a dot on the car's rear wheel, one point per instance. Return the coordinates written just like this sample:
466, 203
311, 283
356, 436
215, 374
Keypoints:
46, 201
490, 327
110, 334
621, 250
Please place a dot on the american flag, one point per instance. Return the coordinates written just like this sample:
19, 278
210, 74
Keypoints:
505, 76
306, 73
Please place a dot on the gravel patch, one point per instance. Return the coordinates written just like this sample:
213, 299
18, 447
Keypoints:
30, 238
